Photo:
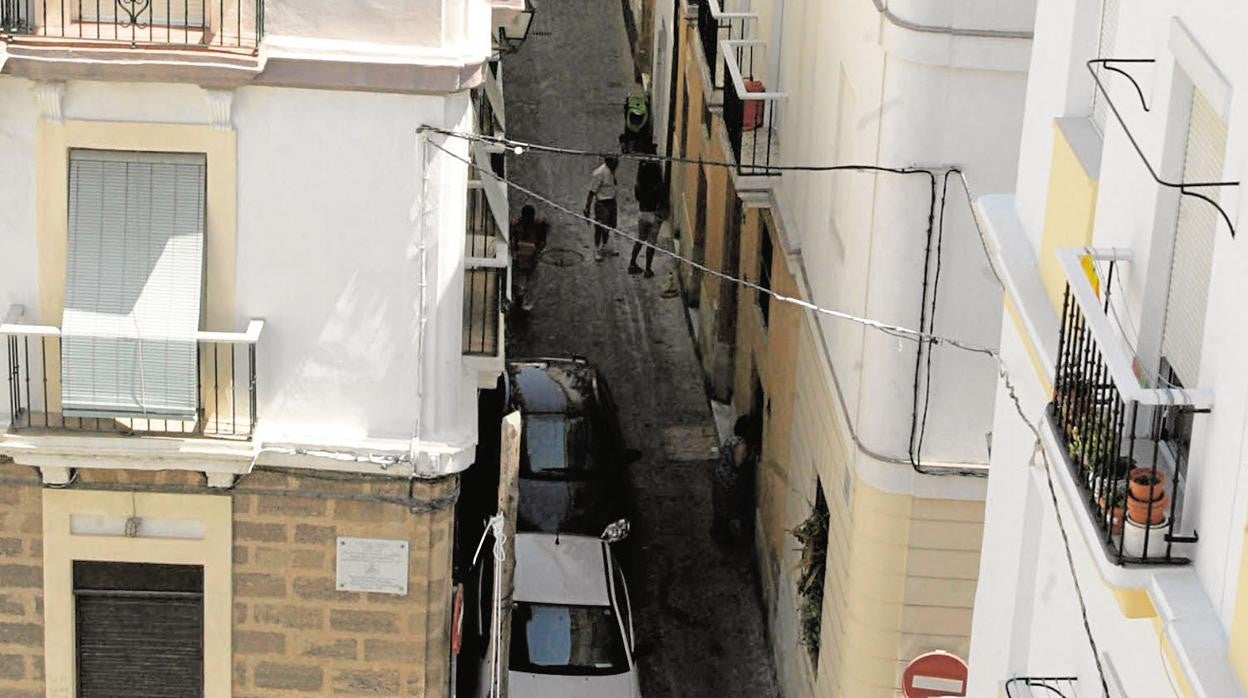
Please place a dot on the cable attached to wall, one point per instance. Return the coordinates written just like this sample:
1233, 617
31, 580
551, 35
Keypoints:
1184, 188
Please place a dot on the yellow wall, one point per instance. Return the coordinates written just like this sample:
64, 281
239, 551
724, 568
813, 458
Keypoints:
1238, 653
901, 572
1069, 213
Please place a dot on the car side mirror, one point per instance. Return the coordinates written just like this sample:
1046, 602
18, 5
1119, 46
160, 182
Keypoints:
631, 455
616, 531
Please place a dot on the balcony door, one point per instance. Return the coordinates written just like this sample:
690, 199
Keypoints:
1192, 258
133, 285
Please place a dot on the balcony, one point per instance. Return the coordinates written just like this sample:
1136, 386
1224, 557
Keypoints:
751, 114
485, 261
1125, 441
483, 279
218, 25
223, 405
714, 25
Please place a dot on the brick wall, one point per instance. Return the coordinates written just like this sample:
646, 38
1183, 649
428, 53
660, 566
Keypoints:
21, 583
293, 632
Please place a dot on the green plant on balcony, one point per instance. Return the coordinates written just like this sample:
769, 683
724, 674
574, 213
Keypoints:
813, 535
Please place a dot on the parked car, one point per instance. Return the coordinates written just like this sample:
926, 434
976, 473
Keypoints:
571, 625
572, 455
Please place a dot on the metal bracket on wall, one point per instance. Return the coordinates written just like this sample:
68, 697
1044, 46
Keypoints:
1183, 187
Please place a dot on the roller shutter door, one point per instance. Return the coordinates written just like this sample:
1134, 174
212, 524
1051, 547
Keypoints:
139, 630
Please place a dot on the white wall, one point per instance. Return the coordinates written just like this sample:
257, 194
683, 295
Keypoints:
17, 172
411, 23
895, 97
328, 254
332, 212
1135, 213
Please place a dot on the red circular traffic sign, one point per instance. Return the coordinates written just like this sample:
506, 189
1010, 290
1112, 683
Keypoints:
934, 674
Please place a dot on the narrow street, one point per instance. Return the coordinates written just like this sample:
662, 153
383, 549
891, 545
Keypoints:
696, 602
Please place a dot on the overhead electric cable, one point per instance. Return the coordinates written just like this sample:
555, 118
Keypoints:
893, 330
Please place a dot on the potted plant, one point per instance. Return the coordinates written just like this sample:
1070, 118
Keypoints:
1147, 512
1114, 502
1147, 484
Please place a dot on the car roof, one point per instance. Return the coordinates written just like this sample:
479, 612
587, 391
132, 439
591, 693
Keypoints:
552, 386
571, 571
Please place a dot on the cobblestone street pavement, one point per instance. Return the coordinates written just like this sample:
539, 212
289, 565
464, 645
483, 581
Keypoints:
695, 602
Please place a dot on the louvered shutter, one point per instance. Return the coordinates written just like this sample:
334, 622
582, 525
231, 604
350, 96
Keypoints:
1193, 243
1104, 49
138, 630
131, 645
132, 296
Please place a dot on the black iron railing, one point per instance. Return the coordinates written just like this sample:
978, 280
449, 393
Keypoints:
226, 406
715, 24
232, 25
749, 119
1122, 454
483, 278
482, 305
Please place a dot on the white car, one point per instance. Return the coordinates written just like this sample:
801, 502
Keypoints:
571, 623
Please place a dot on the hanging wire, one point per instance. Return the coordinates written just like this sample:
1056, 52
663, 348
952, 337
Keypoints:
890, 329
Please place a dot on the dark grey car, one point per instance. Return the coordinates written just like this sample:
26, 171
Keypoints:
572, 454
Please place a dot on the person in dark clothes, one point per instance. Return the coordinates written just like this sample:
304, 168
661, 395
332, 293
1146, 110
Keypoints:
649, 191
732, 483
528, 236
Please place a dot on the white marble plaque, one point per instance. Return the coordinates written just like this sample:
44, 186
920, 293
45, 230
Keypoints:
372, 564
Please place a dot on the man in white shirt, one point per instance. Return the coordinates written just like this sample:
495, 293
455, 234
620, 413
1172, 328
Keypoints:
601, 198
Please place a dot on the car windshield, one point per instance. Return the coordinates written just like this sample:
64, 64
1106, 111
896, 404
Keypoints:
557, 445
577, 640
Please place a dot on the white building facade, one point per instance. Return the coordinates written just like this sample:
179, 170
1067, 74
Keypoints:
247, 301
1120, 335
881, 446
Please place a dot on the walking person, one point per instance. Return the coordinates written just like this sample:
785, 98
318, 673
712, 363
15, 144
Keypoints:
601, 200
731, 483
649, 192
528, 235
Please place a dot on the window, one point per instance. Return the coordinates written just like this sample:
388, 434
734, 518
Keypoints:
1104, 49
557, 445
684, 124
555, 639
813, 535
764, 271
133, 284
726, 321
1192, 259
1176, 424
139, 629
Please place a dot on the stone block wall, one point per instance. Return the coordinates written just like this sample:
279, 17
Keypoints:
293, 632
21, 582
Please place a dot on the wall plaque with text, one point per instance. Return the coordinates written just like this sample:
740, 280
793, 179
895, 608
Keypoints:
372, 564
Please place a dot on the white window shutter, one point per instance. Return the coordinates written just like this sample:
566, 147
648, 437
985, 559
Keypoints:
1104, 49
132, 296
1193, 243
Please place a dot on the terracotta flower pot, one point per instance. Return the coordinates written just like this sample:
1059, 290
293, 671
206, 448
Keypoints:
1146, 485
1148, 513
1115, 516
